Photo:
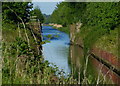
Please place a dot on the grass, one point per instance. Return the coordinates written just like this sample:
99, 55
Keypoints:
107, 42
21, 65
95, 37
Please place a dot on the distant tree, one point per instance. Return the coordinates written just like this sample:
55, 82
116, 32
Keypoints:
22, 9
46, 18
67, 13
101, 14
61, 14
37, 12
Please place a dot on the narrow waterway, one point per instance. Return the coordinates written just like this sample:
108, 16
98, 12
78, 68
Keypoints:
56, 51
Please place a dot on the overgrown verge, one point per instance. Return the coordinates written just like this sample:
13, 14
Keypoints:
22, 58
21, 63
99, 31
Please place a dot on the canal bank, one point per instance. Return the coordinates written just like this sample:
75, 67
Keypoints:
93, 69
99, 64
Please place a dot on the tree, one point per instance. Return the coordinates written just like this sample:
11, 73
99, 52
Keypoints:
61, 14
104, 15
101, 14
22, 9
46, 18
37, 12
68, 12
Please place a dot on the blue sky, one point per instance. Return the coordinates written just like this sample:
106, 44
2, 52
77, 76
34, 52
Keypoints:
46, 7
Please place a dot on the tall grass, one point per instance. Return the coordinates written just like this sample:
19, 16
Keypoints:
94, 37
21, 65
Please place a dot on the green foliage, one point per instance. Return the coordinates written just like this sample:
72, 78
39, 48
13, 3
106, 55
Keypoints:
99, 18
27, 69
67, 13
91, 38
104, 15
100, 21
47, 18
21, 63
22, 9
22, 46
61, 14
37, 12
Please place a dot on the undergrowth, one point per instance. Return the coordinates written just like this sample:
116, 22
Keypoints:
22, 66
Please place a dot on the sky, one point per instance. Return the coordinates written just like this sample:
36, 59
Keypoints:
46, 7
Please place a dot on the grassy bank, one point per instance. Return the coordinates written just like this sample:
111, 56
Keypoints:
21, 65
103, 39
91, 37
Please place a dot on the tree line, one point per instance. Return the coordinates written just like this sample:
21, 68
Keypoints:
97, 18
11, 11
101, 14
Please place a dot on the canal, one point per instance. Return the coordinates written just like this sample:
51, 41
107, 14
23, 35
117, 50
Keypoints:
56, 51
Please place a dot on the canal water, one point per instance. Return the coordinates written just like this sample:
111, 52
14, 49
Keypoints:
56, 51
